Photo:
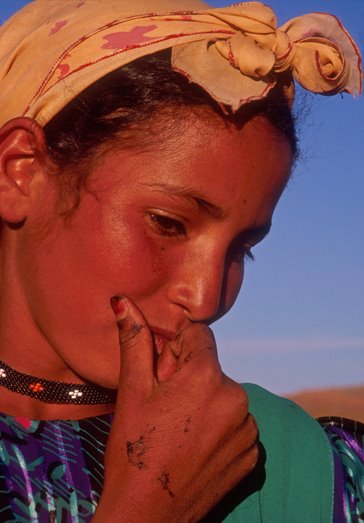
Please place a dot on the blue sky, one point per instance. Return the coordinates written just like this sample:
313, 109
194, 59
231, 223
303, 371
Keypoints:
299, 320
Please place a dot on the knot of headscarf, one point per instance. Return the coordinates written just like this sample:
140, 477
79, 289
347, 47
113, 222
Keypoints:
244, 53
314, 49
315, 62
237, 54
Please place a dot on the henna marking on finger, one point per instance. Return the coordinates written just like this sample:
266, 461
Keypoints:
136, 328
188, 421
189, 355
164, 479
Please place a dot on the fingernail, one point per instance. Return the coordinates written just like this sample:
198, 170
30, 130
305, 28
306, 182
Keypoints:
119, 306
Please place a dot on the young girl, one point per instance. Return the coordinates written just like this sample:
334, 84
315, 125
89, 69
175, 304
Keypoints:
142, 154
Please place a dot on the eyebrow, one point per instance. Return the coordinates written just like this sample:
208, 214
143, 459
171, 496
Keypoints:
197, 198
258, 233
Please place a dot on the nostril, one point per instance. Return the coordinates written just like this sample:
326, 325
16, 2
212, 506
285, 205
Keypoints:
199, 301
199, 286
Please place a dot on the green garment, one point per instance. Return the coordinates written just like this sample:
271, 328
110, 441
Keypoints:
294, 483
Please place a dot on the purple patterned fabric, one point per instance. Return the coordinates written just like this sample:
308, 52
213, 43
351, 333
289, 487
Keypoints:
52, 471
347, 440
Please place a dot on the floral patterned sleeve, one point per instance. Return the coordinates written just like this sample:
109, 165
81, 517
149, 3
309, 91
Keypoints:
347, 440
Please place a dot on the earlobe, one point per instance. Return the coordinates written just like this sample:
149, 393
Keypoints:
22, 145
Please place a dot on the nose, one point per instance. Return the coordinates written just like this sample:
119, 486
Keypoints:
205, 285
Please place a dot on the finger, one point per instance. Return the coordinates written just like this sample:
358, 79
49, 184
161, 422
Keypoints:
167, 363
197, 342
136, 347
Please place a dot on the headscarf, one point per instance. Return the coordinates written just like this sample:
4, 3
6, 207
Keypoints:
52, 50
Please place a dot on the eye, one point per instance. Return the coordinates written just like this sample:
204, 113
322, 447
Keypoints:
245, 254
166, 226
239, 253
248, 255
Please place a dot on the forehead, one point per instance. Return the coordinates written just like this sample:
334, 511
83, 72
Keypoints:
231, 167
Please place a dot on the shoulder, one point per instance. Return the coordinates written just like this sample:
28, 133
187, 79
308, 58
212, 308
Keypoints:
293, 481
281, 421
280, 417
297, 469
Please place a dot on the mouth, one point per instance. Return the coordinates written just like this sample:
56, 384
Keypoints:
161, 339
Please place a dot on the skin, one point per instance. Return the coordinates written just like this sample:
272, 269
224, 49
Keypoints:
168, 227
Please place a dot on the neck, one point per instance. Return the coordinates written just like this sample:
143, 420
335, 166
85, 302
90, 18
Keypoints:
22, 343
26, 348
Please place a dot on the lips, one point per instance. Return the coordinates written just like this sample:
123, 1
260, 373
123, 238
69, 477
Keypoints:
161, 339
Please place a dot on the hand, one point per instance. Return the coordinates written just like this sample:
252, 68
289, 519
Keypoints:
182, 436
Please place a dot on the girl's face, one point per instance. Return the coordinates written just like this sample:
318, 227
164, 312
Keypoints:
169, 227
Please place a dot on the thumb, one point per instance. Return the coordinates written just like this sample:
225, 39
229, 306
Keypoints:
136, 347
197, 346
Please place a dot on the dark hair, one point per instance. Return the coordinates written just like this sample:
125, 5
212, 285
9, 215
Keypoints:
125, 101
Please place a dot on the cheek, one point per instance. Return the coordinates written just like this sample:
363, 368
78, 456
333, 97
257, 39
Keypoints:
130, 261
93, 261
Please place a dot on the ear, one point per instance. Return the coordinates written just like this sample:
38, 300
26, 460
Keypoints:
22, 154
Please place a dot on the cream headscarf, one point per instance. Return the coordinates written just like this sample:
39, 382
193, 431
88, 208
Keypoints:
53, 49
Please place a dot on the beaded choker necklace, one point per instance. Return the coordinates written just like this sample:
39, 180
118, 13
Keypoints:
51, 391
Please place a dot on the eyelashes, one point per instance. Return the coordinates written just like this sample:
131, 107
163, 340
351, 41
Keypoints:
242, 255
168, 227
248, 255
240, 250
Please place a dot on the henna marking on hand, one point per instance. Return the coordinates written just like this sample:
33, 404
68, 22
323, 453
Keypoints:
135, 451
164, 479
136, 328
187, 423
